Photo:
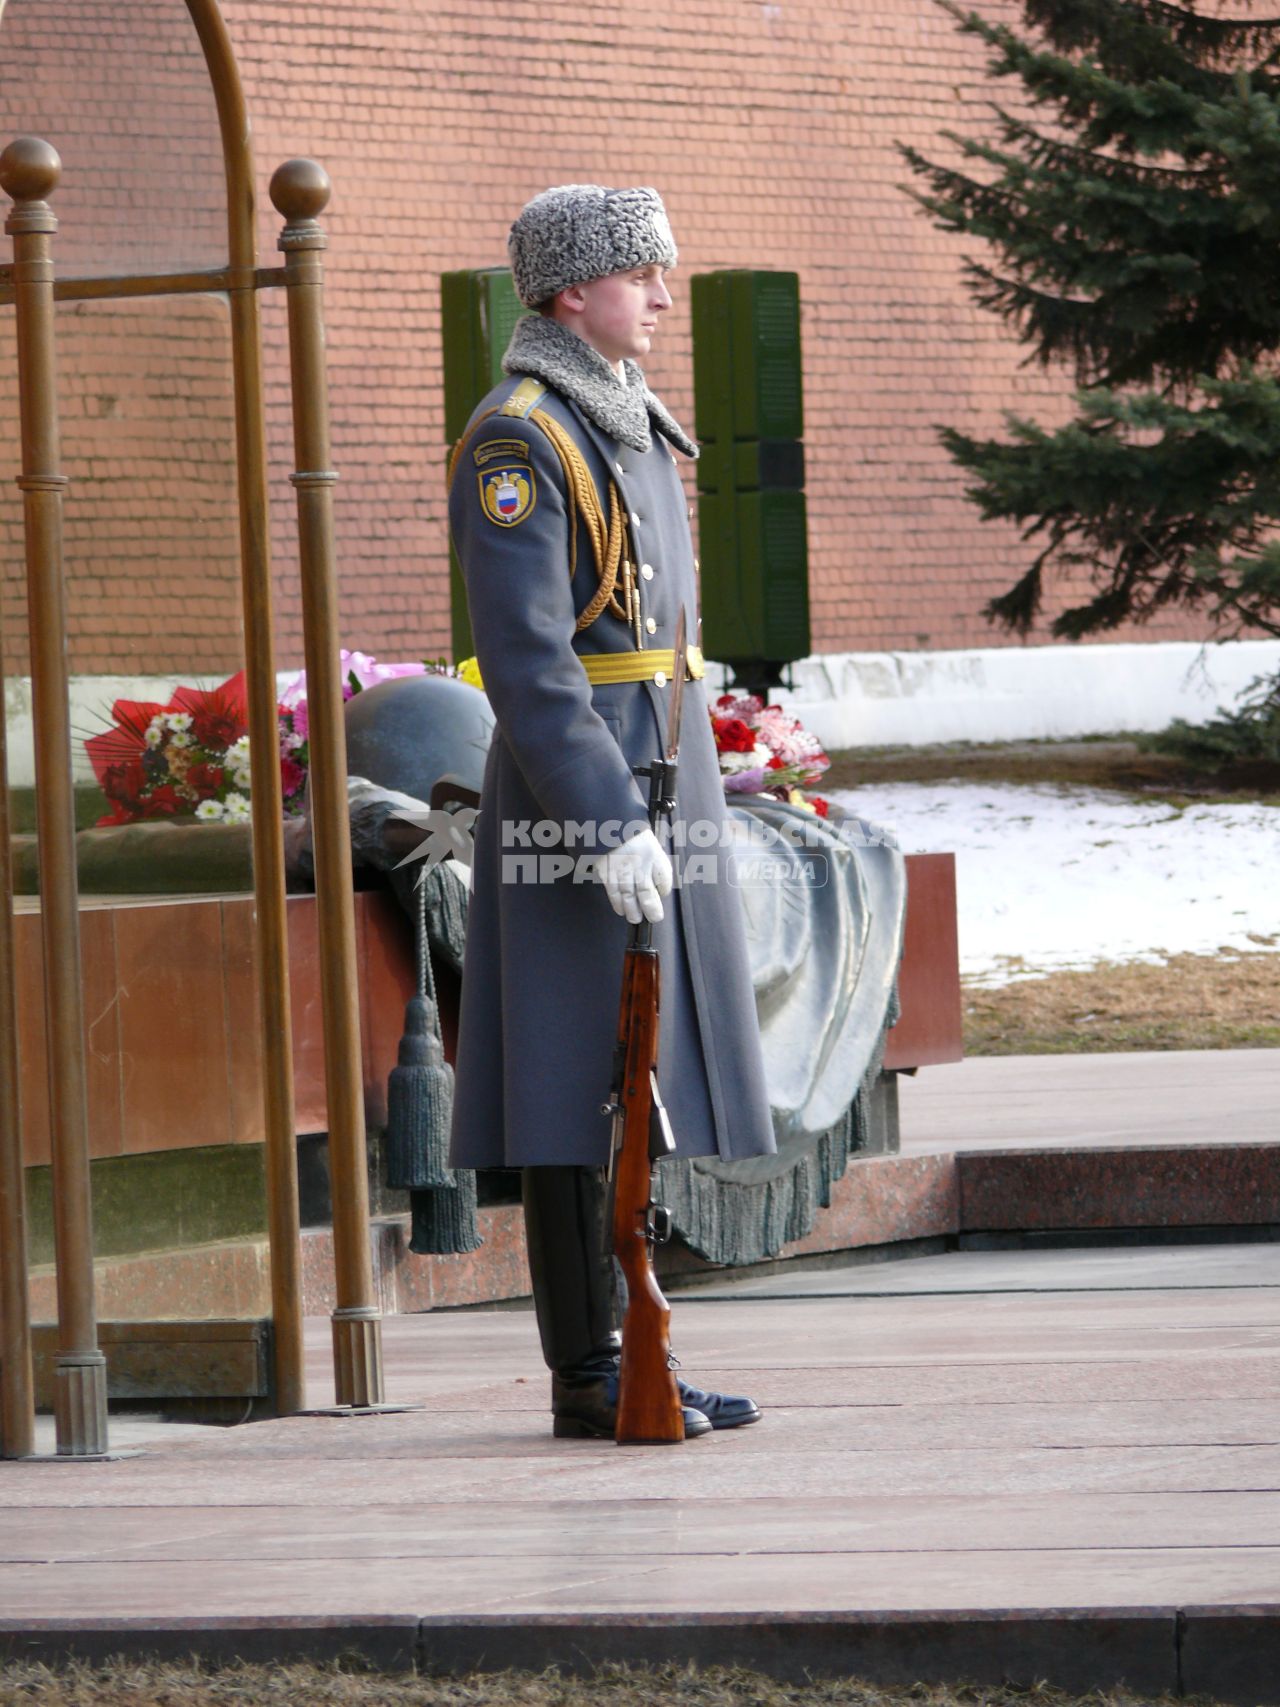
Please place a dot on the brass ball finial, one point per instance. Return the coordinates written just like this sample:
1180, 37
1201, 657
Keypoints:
300, 189
29, 169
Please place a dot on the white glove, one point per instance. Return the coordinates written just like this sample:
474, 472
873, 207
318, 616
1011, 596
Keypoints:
636, 876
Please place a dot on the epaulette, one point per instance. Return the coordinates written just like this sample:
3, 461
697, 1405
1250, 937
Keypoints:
524, 399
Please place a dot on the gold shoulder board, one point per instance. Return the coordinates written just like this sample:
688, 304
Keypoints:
524, 399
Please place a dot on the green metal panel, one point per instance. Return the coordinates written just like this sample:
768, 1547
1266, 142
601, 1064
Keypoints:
746, 355
461, 641
751, 465
730, 606
712, 357
776, 525
751, 508
755, 575
713, 470
479, 309
764, 317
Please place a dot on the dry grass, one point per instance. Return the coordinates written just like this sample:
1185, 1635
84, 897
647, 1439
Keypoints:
126, 1684
1192, 1001
1115, 763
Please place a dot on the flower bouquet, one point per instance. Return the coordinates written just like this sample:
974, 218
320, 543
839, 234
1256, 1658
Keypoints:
765, 750
190, 758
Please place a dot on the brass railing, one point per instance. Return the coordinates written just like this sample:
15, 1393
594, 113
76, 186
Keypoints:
29, 171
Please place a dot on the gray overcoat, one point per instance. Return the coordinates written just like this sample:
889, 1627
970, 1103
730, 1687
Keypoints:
543, 963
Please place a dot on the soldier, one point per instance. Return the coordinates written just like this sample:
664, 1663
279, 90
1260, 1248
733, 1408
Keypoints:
572, 529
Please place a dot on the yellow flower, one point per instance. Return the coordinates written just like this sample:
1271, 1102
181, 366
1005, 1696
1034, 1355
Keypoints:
796, 798
469, 672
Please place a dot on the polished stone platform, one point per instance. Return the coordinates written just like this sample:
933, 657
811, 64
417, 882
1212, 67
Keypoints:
983, 1464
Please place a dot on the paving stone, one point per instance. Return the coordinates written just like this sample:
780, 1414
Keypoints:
1144, 1097
1004, 1477
471, 1526
1145, 1268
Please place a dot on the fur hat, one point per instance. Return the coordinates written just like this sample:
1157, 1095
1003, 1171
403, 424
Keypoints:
578, 232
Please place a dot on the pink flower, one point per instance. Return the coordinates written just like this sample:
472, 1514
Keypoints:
292, 776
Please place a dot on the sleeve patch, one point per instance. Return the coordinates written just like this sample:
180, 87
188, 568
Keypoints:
509, 450
507, 495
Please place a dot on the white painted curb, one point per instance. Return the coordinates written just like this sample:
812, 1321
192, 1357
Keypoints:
873, 699
1017, 693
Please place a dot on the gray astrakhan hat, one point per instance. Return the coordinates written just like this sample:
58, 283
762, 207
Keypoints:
578, 232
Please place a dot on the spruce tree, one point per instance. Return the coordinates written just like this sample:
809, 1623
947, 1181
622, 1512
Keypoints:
1130, 209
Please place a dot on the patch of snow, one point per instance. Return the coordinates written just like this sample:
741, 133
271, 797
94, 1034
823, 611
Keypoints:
1050, 876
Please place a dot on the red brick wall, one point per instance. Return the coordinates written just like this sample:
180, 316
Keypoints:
770, 129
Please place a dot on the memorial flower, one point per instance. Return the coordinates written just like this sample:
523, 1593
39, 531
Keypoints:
763, 749
191, 758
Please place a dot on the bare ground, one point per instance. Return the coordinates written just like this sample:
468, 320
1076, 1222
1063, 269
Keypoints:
1191, 1001
124, 1684
1117, 762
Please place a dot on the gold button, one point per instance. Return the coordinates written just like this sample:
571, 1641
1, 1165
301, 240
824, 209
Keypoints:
651, 626
646, 569
659, 678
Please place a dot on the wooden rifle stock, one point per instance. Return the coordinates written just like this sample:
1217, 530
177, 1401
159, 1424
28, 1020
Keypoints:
649, 1408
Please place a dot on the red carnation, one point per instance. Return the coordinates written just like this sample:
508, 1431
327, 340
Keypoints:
124, 781
820, 806
206, 779
163, 802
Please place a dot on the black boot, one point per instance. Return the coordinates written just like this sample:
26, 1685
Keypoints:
575, 1298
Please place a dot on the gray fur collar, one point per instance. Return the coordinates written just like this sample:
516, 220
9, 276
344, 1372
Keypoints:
568, 364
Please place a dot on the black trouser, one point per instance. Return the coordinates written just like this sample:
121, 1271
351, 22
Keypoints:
571, 1262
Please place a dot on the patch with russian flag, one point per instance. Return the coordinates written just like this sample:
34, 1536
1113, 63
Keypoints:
508, 494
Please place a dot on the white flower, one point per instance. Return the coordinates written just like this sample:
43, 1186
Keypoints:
209, 811
238, 751
179, 738
240, 776
155, 732
732, 762
237, 809
180, 720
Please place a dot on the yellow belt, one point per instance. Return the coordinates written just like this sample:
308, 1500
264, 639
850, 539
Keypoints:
618, 666
644, 666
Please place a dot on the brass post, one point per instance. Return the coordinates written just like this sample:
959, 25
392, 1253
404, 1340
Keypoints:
300, 191
29, 172
17, 1411
271, 938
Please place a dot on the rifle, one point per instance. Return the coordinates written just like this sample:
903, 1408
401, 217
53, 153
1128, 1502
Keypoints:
649, 1409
